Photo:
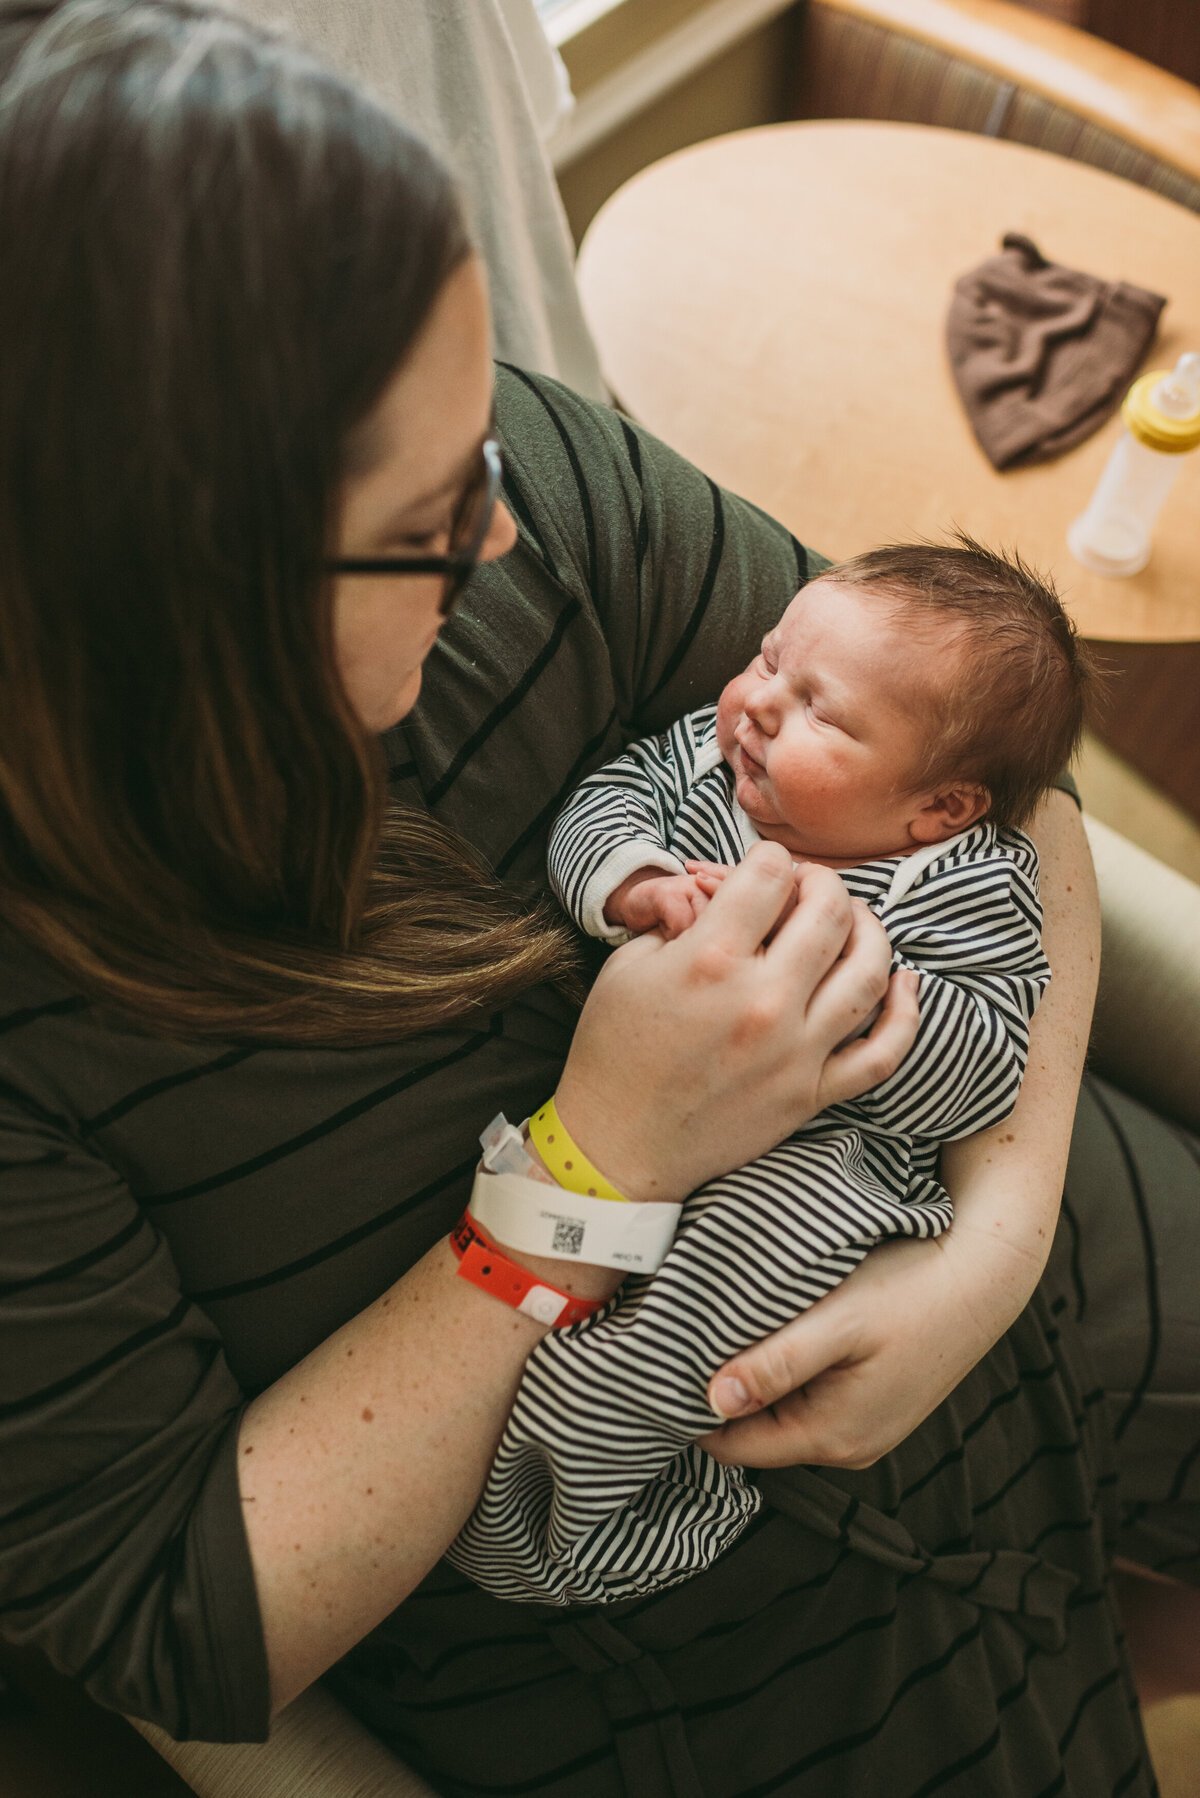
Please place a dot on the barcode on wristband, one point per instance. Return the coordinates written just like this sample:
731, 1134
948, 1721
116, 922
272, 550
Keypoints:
568, 1236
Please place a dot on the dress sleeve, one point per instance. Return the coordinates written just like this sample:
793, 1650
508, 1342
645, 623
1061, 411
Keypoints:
684, 577
971, 928
123, 1556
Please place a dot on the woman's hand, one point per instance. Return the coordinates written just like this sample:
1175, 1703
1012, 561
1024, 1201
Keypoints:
852, 1377
696, 1055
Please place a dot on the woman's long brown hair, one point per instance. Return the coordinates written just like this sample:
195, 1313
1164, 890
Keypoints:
215, 253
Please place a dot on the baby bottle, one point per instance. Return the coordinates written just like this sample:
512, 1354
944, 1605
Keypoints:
1162, 419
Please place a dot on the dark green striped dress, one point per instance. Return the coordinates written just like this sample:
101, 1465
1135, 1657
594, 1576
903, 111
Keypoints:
180, 1223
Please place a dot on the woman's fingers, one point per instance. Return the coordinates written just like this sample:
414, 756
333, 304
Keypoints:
772, 1369
863, 1063
852, 1376
818, 930
814, 1426
855, 982
746, 907
856, 1373
714, 871
779, 1397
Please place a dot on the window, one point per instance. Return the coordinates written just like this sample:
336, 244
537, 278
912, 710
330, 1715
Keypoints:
565, 19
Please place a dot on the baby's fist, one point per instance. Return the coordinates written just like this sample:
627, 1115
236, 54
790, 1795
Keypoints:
651, 900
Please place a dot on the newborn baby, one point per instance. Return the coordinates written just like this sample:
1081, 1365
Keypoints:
899, 724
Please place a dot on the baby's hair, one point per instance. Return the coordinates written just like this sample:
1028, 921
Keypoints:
1014, 720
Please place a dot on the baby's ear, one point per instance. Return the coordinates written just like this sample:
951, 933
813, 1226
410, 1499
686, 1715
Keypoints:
949, 811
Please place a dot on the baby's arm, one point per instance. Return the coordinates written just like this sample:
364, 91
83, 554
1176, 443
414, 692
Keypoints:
971, 927
612, 837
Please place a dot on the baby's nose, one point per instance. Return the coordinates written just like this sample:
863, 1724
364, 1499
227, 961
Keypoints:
759, 707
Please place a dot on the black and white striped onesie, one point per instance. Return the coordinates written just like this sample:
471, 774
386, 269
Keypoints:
598, 1491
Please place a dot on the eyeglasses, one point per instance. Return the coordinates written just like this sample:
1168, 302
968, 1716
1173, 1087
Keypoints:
468, 532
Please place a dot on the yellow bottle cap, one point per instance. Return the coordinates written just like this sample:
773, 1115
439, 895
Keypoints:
1153, 428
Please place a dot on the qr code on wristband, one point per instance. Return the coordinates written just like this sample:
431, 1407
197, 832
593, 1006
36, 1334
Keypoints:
568, 1236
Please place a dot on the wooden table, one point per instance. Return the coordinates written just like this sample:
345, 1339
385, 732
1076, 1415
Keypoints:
772, 303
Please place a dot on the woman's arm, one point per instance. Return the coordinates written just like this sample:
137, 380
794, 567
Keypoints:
361, 1464
857, 1373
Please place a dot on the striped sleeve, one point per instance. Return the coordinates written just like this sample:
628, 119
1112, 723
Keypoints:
619, 820
121, 1541
971, 927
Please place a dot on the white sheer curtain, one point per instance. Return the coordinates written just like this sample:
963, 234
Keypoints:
480, 82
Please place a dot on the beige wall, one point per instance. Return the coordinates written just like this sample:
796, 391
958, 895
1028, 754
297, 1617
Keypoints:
748, 85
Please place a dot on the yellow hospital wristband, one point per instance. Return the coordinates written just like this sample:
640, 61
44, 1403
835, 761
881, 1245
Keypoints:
565, 1160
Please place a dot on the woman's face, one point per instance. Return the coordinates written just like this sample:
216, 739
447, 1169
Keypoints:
416, 454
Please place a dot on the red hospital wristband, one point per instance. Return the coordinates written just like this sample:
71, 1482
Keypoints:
489, 1268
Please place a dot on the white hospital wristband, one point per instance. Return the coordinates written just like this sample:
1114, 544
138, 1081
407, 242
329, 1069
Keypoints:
537, 1219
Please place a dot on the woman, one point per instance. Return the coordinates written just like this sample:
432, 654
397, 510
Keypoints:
253, 1027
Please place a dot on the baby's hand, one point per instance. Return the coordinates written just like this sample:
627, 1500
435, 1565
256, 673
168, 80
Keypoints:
652, 900
709, 875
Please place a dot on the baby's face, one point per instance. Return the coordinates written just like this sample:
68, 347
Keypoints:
824, 729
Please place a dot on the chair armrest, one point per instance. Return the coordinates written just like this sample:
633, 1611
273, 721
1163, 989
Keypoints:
1134, 100
317, 1750
1146, 1033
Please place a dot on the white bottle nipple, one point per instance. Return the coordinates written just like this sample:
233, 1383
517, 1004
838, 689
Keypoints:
1177, 395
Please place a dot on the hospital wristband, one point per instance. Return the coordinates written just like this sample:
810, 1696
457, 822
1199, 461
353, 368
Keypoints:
564, 1158
486, 1266
536, 1219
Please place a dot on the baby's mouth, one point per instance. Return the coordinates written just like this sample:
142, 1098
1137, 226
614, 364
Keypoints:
752, 764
